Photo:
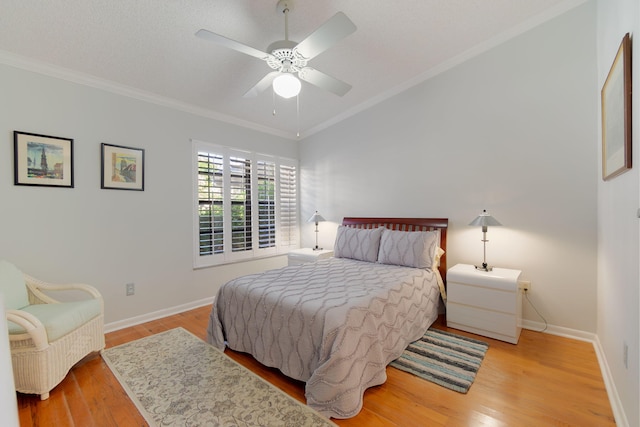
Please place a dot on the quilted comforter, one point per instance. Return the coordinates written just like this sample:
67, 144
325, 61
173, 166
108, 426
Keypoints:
334, 324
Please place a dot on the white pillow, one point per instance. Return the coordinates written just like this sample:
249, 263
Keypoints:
357, 243
409, 248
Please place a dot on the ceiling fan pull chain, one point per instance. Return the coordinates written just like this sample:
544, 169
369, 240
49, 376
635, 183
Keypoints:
273, 94
298, 115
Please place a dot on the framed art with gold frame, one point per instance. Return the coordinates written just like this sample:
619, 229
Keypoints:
616, 114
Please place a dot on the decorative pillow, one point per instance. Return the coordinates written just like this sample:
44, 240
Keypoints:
357, 243
436, 263
436, 258
408, 248
12, 286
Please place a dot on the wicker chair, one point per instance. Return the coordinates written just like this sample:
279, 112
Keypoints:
47, 337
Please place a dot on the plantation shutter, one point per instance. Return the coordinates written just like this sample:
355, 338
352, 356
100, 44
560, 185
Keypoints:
266, 172
288, 197
210, 203
240, 195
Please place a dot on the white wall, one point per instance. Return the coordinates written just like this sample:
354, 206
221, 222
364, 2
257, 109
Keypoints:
511, 131
110, 237
618, 231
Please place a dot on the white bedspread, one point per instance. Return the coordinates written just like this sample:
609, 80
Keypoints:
334, 324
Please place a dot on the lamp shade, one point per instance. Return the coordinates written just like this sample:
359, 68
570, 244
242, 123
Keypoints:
316, 217
484, 219
286, 85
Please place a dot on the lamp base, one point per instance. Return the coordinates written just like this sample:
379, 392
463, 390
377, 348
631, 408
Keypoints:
317, 248
484, 267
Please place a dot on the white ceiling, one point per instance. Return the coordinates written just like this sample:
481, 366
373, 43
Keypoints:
147, 48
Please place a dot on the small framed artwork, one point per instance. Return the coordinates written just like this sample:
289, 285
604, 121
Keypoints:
122, 168
616, 114
42, 160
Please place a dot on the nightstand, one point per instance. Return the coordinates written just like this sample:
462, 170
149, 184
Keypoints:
300, 256
487, 303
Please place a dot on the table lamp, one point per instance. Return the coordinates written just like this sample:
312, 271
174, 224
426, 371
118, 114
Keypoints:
316, 217
484, 220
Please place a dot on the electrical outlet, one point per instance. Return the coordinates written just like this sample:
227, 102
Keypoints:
131, 289
625, 354
525, 285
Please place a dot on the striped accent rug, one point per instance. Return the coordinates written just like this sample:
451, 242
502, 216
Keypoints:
446, 359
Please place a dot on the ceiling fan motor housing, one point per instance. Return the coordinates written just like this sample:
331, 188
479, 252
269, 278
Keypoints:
284, 58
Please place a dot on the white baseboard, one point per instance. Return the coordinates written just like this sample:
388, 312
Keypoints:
614, 397
559, 331
612, 392
132, 321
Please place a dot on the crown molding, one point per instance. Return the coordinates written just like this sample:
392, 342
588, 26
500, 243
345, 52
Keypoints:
46, 69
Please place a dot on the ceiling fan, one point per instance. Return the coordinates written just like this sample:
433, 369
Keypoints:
289, 58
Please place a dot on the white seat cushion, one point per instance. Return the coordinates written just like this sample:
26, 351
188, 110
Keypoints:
60, 319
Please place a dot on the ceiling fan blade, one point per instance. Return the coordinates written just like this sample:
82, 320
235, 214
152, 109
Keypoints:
232, 44
324, 81
328, 34
261, 85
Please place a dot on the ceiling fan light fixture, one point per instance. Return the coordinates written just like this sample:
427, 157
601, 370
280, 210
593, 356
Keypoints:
286, 85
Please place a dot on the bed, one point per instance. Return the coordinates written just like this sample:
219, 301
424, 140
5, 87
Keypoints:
336, 323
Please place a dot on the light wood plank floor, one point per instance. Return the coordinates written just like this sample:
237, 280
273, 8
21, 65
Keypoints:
545, 380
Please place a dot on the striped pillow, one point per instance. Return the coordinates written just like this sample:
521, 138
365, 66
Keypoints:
408, 248
360, 244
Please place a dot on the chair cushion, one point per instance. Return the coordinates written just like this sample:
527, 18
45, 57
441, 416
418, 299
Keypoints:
62, 318
12, 285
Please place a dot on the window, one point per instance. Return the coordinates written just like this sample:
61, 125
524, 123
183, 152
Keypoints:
246, 205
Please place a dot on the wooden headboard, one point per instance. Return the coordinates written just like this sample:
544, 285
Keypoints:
408, 224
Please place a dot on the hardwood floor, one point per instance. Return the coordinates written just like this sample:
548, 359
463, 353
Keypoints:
545, 380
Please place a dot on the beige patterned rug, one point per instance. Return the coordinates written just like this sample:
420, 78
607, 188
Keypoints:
176, 379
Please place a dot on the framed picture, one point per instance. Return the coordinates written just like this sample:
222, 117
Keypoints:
122, 168
616, 114
42, 160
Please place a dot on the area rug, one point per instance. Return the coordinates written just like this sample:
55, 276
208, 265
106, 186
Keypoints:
176, 379
447, 359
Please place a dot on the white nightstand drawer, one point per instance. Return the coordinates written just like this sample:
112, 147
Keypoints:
498, 278
488, 322
490, 299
